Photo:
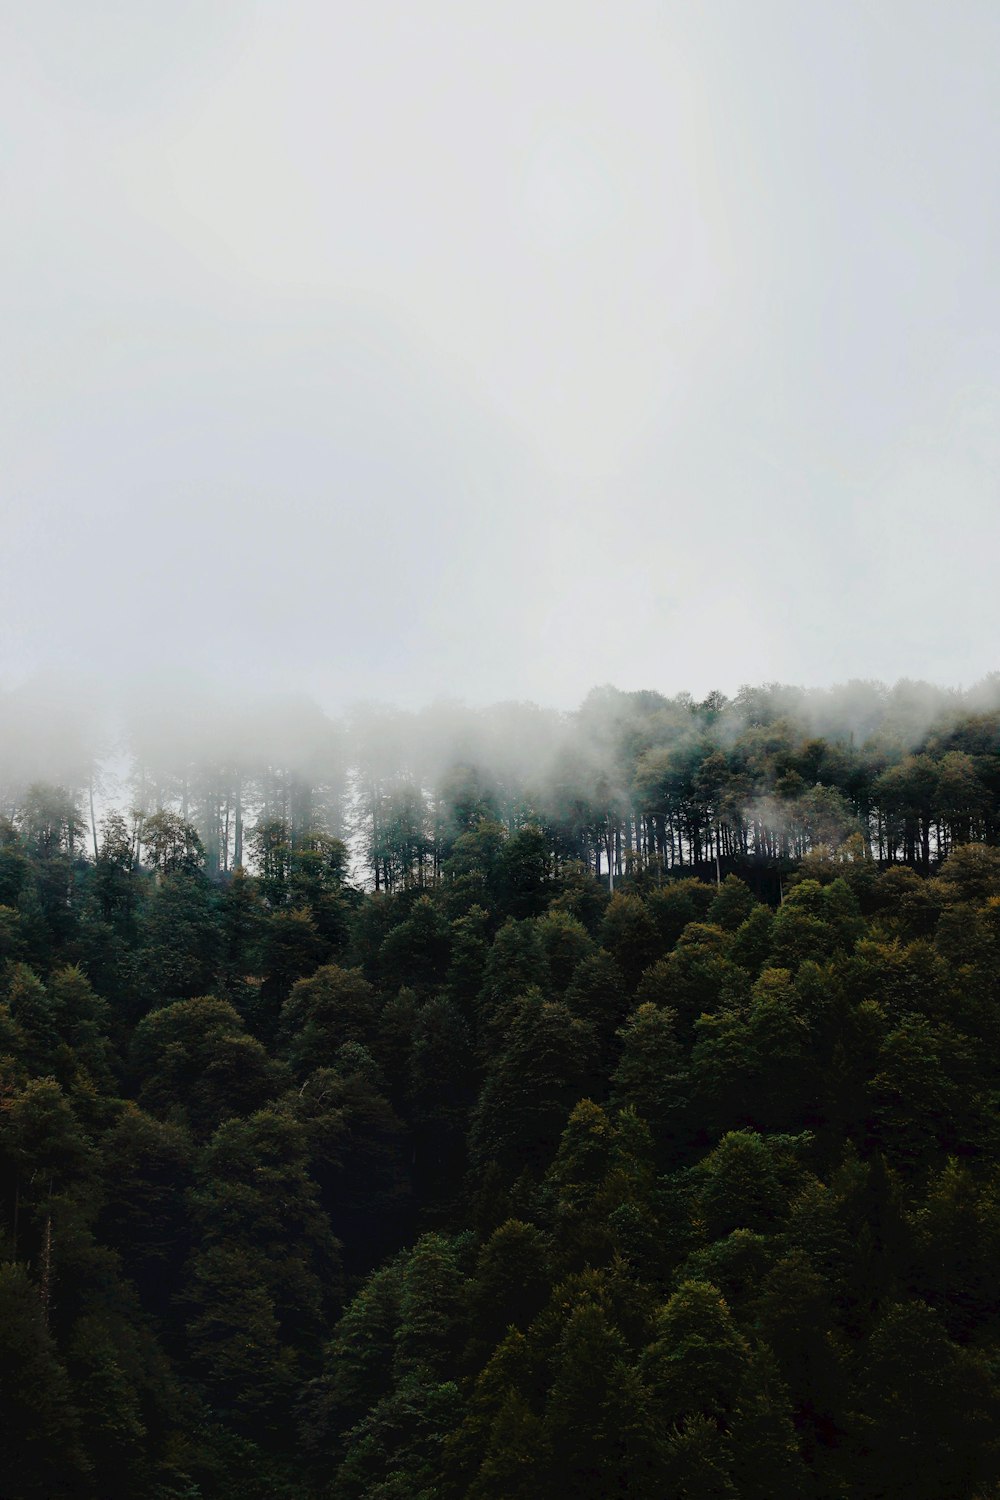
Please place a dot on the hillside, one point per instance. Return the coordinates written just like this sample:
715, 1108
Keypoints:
429, 1128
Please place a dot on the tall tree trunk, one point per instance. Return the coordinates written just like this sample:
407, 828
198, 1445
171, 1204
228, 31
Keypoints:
45, 1284
93, 818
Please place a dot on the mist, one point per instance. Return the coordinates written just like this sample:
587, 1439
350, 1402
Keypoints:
636, 779
361, 354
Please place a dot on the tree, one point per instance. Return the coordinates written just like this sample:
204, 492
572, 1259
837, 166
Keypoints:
440, 1093
598, 995
471, 873
360, 1157
600, 1185
46, 1171
121, 1451
146, 1167
466, 969
794, 1309
674, 905
179, 938
516, 963
516, 1459
172, 845
266, 1271
36, 1018
42, 1457
701, 1373
627, 932
332, 1006
697, 1363
115, 886
510, 1283
566, 943
524, 873
733, 904
357, 1364
195, 1064
928, 1410
396, 1450
699, 976
535, 1082
242, 927
756, 1066
956, 1230
488, 1448
593, 1419
925, 1094
431, 1307
651, 1077
752, 941
291, 949
416, 952
576, 1186
52, 832
747, 1182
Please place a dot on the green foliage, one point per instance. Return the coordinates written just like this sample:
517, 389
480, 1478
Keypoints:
291, 947
733, 905
431, 1307
566, 943
491, 1183
416, 952
195, 1064
517, 962
538, 1077
266, 1271
510, 1284
358, 1150
672, 906
331, 1007
43, 1457
358, 1364
652, 1078
752, 941
592, 1418
146, 1168
172, 845
629, 934
524, 873
179, 938
469, 949
441, 1074
754, 1065
472, 870
928, 1409
747, 1181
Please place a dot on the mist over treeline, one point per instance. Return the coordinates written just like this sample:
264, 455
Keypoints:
631, 781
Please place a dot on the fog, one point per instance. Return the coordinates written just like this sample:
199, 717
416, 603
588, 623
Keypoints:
142, 743
476, 352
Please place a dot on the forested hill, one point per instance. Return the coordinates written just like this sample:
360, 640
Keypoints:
505, 1105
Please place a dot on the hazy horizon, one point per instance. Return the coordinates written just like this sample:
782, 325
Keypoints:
493, 354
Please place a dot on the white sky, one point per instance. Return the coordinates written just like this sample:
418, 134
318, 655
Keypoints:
500, 349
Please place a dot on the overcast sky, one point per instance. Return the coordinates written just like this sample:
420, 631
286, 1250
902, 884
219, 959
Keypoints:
498, 350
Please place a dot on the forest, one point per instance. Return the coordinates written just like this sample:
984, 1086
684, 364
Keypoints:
501, 1103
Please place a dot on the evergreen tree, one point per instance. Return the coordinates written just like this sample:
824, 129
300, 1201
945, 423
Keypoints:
534, 1084
43, 1458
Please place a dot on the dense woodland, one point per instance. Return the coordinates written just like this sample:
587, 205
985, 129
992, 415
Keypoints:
503, 1104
